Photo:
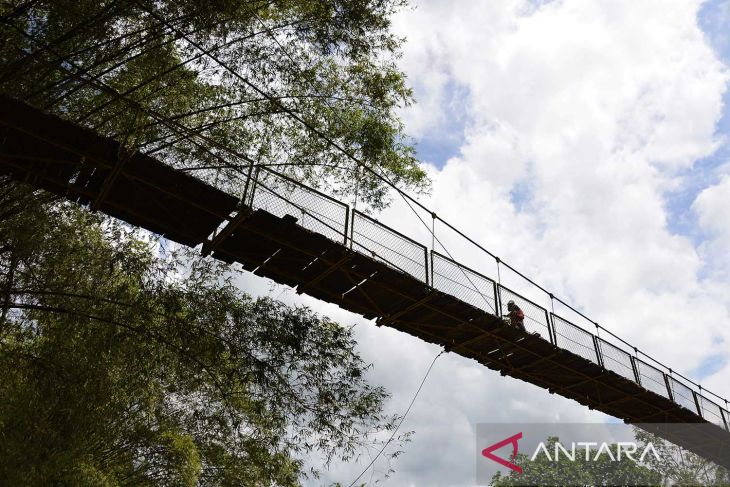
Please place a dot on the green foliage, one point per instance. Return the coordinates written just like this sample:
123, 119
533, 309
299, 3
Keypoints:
118, 367
121, 367
678, 466
331, 63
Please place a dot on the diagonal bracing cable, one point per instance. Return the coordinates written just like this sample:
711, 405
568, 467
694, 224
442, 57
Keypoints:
401, 420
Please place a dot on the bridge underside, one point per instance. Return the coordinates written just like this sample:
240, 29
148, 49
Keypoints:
76, 164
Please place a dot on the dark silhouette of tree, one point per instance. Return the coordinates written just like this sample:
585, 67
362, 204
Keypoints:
119, 366
217, 84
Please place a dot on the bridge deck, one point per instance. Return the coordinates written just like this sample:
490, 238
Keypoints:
74, 163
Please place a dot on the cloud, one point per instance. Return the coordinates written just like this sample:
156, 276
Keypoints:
580, 121
711, 207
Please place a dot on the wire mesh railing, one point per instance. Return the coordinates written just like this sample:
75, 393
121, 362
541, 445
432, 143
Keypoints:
711, 411
536, 317
575, 339
282, 196
651, 378
616, 359
463, 283
315, 211
385, 244
682, 394
318, 212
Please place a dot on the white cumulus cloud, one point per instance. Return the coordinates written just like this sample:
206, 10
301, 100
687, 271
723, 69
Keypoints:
581, 118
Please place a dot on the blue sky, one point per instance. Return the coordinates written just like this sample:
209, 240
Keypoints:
714, 20
450, 138
439, 145
520, 112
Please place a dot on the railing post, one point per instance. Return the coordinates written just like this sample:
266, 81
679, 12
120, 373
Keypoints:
551, 327
425, 263
599, 358
253, 186
347, 222
725, 419
498, 300
354, 206
248, 181
669, 387
635, 368
432, 281
697, 404
433, 242
551, 320
352, 226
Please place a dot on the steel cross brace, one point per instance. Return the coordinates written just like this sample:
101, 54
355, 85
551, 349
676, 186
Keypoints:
390, 318
332, 268
212, 244
111, 178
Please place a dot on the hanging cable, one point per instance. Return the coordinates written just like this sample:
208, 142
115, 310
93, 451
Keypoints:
357, 187
433, 231
448, 254
354, 205
401, 419
337, 146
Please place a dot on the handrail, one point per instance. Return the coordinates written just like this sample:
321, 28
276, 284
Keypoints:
668, 373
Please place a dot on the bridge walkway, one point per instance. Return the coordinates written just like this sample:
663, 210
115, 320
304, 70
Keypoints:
299, 237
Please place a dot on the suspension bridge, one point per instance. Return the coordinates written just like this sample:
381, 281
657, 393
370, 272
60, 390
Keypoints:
281, 229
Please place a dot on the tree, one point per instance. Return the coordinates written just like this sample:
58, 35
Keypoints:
678, 466
305, 86
601, 470
119, 366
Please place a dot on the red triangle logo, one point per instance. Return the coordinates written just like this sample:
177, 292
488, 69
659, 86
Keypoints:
487, 452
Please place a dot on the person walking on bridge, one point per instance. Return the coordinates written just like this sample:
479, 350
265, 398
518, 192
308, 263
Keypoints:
516, 316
